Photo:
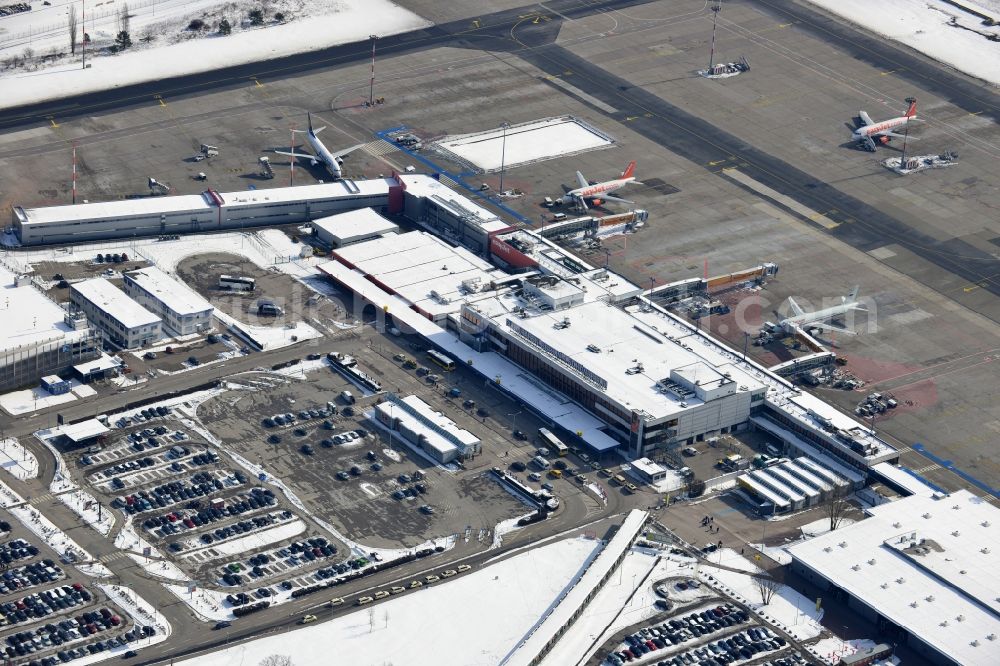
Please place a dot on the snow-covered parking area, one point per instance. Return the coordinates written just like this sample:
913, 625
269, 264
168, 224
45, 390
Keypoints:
165, 45
473, 620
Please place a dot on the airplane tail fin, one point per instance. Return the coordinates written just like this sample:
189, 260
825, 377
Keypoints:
629, 171
912, 111
580, 180
310, 118
852, 296
794, 307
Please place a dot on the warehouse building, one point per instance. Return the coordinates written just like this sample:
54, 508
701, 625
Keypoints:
431, 431
125, 323
181, 310
37, 336
922, 569
351, 227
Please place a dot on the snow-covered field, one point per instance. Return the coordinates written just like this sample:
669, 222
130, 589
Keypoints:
171, 49
89, 510
935, 28
16, 403
473, 620
17, 459
525, 143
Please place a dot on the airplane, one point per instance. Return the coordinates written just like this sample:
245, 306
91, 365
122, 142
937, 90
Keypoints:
800, 320
867, 132
331, 161
598, 193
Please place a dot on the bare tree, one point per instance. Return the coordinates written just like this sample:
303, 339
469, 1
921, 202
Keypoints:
837, 511
767, 585
277, 660
72, 28
122, 19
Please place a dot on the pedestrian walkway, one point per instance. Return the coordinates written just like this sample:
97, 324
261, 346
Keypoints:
380, 148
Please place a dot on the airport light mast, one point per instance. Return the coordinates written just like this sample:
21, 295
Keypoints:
716, 8
503, 154
371, 87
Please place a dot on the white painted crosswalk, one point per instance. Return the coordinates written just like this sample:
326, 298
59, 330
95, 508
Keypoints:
380, 148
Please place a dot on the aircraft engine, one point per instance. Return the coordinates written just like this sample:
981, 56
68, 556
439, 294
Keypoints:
884, 140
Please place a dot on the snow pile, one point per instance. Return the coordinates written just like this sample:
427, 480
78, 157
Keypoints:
17, 459
142, 613
833, 648
314, 25
89, 509
822, 526
504, 528
57, 539
933, 27
508, 598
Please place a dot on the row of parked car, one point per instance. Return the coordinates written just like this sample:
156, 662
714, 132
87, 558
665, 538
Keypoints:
738, 647
243, 527
173, 492
279, 420
143, 416
44, 603
679, 630
257, 498
65, 631
36, 573
16, 549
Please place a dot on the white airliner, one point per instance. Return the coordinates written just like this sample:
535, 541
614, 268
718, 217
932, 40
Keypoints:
802, 320
868, 132
598, 193
321, 155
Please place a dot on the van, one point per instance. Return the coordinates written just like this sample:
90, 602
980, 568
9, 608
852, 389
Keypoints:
773, 450
619, 479
347, 397
685, 472
555, 473
541, 462
559, 217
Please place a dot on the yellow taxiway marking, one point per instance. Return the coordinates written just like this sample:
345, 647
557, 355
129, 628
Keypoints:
159, 98
259, 84
974, 113
891, 71
630, 118
53, 121
718, 162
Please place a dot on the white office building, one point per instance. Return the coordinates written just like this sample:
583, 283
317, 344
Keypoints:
352, 227
124, 322
431, 431
182, 311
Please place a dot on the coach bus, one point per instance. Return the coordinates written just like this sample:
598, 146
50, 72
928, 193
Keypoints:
237, 283
441, 360
552, 442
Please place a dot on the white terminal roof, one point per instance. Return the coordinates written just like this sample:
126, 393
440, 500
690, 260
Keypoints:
99, 364
426, 186
340, 188
623, 342
115, 303
28, 317
928, 564
416, 264
78, 432
354, 224
105, 209
176, 295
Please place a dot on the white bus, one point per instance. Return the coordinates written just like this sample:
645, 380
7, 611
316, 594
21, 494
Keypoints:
552, 442
237, 283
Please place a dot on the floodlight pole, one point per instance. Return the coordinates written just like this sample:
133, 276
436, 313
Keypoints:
503, 155
371, 87
83, 12
74, 171
715, 17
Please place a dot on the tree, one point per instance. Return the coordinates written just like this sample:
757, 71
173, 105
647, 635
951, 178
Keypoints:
122, 41
72, 28
837, 510
122, 19
279, 17
224, 27
695, 487
277, 660
196, 25
256, 17
767, 585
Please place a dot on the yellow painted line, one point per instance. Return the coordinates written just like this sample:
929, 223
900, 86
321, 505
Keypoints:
974, 113
53, 121
259, 84
970, 288
891, 71
718, 162
160, 99
630, 118
782, 26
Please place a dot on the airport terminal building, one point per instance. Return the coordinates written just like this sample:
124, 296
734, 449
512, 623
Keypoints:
182, 311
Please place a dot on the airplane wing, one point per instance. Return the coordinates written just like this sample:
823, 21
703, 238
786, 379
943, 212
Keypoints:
608, 197
865, 118
294, 154
831, 329
347, 151
899, 136
794, 307
581, 180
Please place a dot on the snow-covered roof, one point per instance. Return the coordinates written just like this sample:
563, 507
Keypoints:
28, 317
927, 563
647, 466
340, 188
175, 295
426, 186
902, 478
99, 364
360, 223
113, 301
84, 430
624, 356
118, 208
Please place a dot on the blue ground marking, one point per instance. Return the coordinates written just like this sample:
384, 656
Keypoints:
947, 464
457, 177
924, 481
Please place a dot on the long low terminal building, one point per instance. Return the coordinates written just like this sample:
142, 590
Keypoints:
419, 197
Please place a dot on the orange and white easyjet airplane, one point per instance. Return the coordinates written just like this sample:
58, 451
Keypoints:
598, 193
867, 133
